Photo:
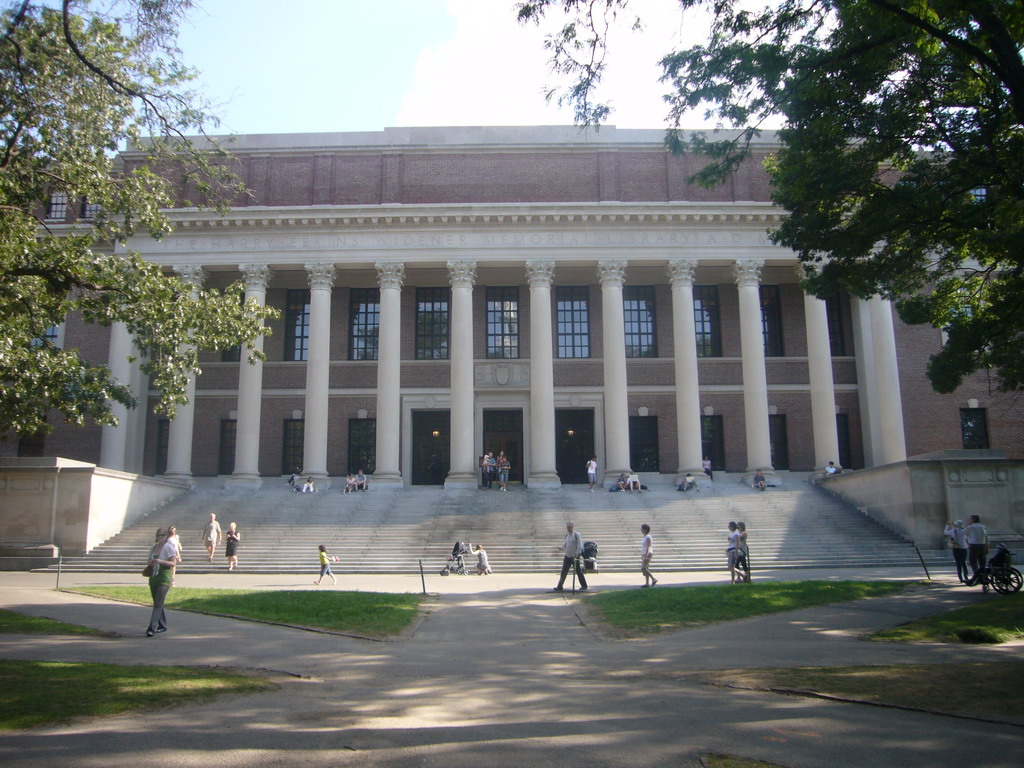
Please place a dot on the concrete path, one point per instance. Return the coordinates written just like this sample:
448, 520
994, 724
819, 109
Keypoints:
501, 672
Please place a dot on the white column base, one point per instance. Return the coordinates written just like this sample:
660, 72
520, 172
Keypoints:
392, 480
457, 479
243, 483
180, 478
543, 481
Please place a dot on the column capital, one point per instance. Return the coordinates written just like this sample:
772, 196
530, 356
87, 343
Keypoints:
681, 272
255, 276
612, 272
390, 274
539, 273
193, 274
321, 275
747, 271
462, 274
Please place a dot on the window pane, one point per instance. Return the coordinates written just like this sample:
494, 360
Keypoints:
833, 310
771, 320
974, 427
432, 323
364, 323
643, 443
779, 441
296, 325
705, 317
638, 312
58, 207
712, 441
362, 445
89, 210
291, 453
227, 446
503, 322
572, 309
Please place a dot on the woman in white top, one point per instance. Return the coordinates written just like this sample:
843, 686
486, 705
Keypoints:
646, 553
958, 544
592, 472
730, 551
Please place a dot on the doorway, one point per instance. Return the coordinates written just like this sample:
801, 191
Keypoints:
574, 443
431, 447
503, 431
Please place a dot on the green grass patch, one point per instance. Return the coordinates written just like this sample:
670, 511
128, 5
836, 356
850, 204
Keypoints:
373, 614
637, 611
12, 623
36, 693
997, 620
989, 690
713, 760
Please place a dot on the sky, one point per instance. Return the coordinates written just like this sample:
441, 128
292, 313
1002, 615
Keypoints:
298, 66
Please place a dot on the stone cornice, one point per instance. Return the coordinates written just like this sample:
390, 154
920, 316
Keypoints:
764, 215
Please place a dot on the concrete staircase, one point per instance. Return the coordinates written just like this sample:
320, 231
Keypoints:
390, 530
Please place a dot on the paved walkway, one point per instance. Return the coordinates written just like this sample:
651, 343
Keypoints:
501, 672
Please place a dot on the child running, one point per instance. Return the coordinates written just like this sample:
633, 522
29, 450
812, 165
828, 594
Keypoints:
325, 566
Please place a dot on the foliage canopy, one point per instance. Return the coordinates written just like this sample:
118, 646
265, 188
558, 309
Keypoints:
901, 155
77, 84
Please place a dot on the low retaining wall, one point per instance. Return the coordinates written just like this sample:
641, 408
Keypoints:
71, 505
918, 496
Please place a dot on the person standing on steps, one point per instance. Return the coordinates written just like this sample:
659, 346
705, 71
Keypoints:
212, 535
232, 539
706, 464
504, 466
572, 549
592, 472
646, 553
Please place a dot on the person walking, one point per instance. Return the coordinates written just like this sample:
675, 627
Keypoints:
706, 465
504, 466
489, 465
646, 553
325, 566
572, 549
958, 545
232, 538
731, 550
592, 472
742, 552
162, 558
976, 536
212, 535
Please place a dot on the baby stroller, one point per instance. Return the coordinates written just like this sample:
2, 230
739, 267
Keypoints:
590, 556
456, 560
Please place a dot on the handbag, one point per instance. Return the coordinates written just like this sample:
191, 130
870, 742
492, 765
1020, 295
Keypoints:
147, 571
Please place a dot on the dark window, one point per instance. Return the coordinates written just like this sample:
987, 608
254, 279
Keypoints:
89, 211
33, 445
834, 313
771, 320
296, 325
779, 441
572, 309
363, 323
432, 323
227, 446
362, 445
503, 322
58, 207
643, 444
50, 337
163, 433
638, 311
974, 427
292, 446
843, 433
706, 323
712, 441
232, 355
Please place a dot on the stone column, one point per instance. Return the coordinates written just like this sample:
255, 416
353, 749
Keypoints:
318, 368
463, 472
114, 440
390, 276
250, 390
867, 394
755, 381
616, 402
823, 394
887, 377
684, 348
179, 437
542, 378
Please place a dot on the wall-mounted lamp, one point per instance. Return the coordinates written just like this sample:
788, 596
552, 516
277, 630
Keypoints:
436, 433
570, 432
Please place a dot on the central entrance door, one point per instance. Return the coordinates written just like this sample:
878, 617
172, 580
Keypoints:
503, 431
574, 443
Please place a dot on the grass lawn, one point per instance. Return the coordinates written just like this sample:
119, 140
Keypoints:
12, 623
35, 693
989, 690
373, 614
997, 620
637, 611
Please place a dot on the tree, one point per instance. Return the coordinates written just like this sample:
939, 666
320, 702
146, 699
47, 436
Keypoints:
902, 147
75, 85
